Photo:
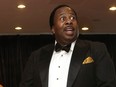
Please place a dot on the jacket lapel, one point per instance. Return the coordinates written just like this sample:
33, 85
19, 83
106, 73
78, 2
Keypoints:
79, 53
44, 64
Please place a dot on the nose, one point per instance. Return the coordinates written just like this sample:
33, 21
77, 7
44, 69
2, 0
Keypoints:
69, 21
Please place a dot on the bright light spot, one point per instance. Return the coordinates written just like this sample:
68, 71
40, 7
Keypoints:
85, 28
18, 28
112, 8
21, 6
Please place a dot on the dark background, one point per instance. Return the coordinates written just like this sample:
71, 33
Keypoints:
16, 49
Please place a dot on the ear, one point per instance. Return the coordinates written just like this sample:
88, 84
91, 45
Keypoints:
53, 31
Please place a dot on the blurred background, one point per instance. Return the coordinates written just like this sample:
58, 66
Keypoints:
33, 16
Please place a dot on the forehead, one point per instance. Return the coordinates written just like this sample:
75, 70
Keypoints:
64, 10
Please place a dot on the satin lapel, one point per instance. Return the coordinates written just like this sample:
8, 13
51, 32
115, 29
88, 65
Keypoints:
78, 55
44, 64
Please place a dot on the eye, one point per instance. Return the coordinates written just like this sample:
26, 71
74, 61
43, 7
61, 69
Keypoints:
72, 17
62, 18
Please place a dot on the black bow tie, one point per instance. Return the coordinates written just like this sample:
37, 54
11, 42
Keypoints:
58, 47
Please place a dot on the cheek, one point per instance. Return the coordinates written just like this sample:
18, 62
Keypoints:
58, 26
59, 23
75, 24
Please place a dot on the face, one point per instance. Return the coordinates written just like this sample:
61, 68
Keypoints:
65, 26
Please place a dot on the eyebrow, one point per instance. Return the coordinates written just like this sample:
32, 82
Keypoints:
69, 13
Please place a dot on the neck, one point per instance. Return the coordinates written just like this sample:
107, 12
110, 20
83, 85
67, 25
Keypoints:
65, 42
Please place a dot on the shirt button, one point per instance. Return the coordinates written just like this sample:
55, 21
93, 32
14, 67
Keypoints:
61, 55
58, 66
57, 78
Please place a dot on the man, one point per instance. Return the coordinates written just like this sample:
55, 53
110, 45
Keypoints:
85, 64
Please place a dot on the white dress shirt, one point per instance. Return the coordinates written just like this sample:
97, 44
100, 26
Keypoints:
59, 67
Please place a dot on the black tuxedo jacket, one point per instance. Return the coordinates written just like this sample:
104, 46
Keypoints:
98, 73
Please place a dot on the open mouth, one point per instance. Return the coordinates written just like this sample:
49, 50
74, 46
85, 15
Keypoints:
69, 30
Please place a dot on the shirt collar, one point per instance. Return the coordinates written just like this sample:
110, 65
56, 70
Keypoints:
72, 45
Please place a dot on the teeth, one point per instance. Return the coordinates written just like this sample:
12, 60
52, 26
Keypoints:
69, 29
